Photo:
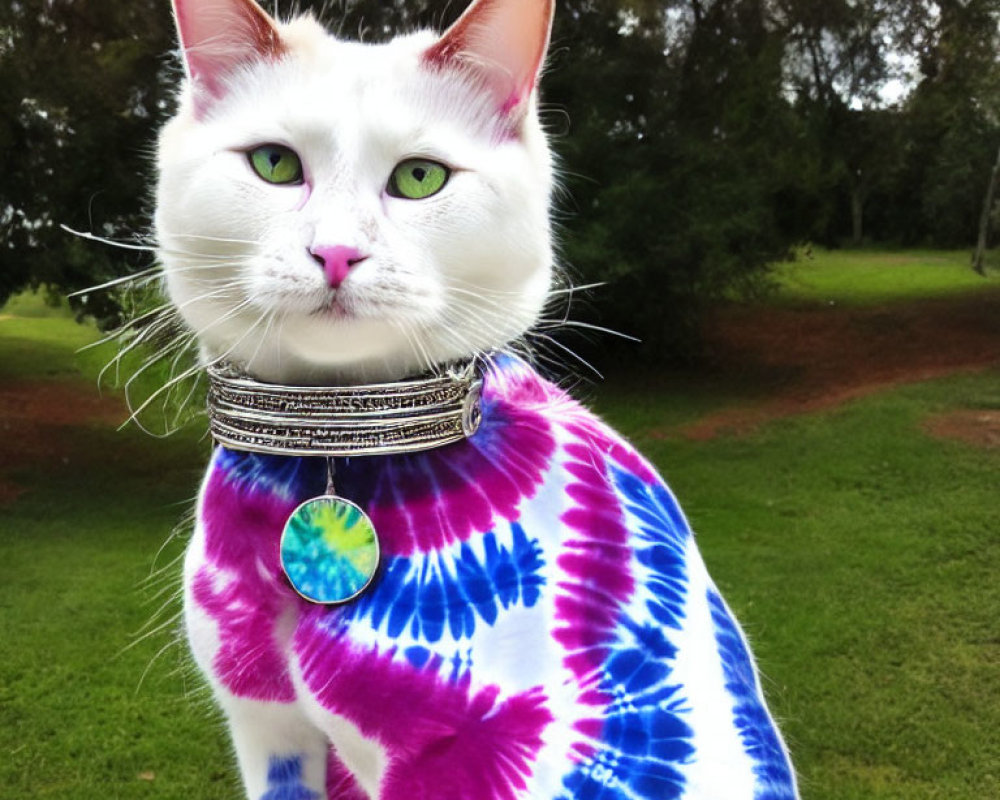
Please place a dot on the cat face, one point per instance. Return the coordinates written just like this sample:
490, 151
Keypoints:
334, 211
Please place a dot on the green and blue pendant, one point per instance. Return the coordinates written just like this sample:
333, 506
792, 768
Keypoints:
329, 549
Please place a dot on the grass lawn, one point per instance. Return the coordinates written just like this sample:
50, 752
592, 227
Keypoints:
864, 277
860, 553
89, 709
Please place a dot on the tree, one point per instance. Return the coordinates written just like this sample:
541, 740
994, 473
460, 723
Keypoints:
979, 256
839, 56
679, 143
81, 92
697, 139
954, 115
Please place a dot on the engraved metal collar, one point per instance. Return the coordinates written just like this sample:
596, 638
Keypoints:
373, 419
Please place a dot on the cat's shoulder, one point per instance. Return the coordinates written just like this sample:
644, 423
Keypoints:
581, 432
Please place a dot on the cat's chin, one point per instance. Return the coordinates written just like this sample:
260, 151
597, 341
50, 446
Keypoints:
349, 374
340, 308
330, 349
333, 311
290, 371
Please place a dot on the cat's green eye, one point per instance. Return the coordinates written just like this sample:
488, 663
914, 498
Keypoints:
276, 163
417, 178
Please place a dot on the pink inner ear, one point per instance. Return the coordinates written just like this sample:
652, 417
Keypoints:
218, 36
514, 100
504, 41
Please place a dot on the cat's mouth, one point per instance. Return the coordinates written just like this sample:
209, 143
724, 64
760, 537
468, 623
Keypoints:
336, 305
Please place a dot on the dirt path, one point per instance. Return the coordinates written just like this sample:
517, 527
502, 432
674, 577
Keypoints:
36, 417
976, 427
813, 359
807, 360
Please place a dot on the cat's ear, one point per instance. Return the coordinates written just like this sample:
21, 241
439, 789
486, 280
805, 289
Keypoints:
218, 36
502, 40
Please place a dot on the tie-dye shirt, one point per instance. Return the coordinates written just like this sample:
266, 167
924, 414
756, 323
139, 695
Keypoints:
541, 624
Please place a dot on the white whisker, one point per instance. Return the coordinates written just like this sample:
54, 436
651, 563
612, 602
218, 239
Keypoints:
92, 237
174, 380
205, 238
568, 350
144, 274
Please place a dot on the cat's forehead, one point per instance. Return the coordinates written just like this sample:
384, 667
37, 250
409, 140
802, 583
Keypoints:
323, 55
326, 87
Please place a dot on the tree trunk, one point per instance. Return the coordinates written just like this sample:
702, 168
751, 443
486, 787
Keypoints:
858, 192
857, 217
979, 257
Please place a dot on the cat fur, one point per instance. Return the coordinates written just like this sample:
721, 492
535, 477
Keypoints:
542, 625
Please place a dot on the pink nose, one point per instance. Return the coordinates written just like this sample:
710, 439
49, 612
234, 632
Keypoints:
337, 261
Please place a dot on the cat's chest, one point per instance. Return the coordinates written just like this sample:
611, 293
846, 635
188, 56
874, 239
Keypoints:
471, 609
446, 596
510, 559
538, 586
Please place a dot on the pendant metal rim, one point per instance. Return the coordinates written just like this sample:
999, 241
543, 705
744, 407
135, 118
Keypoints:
375, 543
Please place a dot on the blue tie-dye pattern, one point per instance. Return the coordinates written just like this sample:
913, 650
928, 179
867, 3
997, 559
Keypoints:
666, 531
756, 729
425, 658
286, 476
644, 740
284, 780
437, 595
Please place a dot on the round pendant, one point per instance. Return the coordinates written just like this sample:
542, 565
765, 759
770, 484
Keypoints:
329, 550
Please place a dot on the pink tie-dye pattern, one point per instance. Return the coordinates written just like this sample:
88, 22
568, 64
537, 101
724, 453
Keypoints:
340, 783
580, 423
241, 586
444, 739
610, 445
426, 501
596, 563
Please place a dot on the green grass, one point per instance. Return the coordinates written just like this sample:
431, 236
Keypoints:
860, 553
41, 342
864, 277
862, 556
78, 585
88, 707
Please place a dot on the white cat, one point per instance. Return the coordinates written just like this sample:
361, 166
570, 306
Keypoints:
541, 624
465, 270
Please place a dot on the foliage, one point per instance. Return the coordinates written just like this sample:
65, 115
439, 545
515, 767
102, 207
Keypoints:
915, 171
957, 107
81, 90
673, 168
698, 139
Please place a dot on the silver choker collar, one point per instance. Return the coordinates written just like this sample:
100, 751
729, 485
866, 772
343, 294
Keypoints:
374, 419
